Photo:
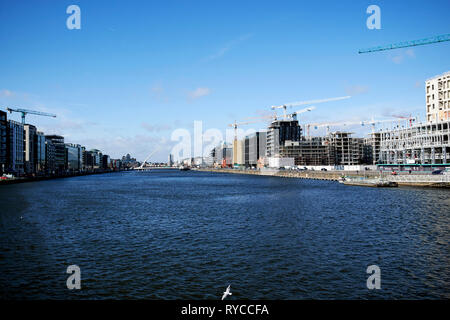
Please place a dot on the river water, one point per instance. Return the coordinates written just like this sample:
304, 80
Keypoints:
167, 234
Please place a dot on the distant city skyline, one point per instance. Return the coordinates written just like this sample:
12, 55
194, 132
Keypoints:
136, 71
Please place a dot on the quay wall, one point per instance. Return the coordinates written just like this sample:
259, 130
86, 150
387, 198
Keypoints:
414, 180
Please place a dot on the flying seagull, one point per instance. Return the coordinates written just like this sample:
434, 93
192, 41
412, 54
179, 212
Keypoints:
226, 293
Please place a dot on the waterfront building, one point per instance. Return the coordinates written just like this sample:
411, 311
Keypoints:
15, 147
437, 95
3, 142
59, 152
223, 155
129, 162
105, 161
238, 153
50, 167
116, 164
208, 161
39, 152
255, 148
170, 160
83, 159
277, 162
423, 144
74, 157
29, 148
344, 149
95, 159
313, 151
371, 149
280, 132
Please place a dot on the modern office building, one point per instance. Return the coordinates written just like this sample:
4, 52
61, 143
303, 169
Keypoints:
95, 159
74, 157
50, 167
29, 148
39, 152
3, 142
106, 160
255, 148
238, 153
59, 152
223, 155
15, 150
83, 159
437, 95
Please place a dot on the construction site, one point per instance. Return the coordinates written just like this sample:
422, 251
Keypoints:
398, 143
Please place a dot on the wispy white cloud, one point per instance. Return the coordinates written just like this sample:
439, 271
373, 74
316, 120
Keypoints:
353, 90
198, 93
410, 53
227, 47
158, 92
402, 55
6, 93
155, 127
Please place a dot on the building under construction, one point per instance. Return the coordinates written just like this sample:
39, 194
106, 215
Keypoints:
423, 144
285, 140
420, 144
344, 149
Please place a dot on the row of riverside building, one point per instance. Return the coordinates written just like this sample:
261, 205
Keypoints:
25, 151
414, 146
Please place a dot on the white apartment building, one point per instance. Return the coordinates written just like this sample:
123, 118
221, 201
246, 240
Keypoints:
437, 95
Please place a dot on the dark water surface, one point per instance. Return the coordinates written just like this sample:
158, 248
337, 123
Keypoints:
169, 234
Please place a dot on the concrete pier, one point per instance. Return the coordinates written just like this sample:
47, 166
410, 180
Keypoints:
415, 179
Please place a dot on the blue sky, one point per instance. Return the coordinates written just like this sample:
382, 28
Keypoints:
137, 70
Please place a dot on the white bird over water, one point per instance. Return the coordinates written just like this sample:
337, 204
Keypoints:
226, 293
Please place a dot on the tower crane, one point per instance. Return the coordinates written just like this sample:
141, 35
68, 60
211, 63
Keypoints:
235, 125
329, 124
24, 112
373, 123
301, 103
404, 44
294, 115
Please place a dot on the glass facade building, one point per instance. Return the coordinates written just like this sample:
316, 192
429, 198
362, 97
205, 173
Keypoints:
29, 147
15, 147
39, 152
74, 157
3, 142
256, 148
59, 152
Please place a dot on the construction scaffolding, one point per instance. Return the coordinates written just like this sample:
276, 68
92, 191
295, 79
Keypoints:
418, 144
344, 149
